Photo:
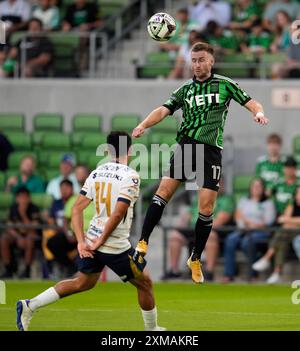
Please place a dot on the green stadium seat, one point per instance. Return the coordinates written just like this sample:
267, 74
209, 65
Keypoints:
19, 140
48, 122
2, 181
92, 141
77, 138
296, 144
15, 158
167, 125
42, 201
87, 122
54, 159
110, 7
56, 141
12, 122
241, 183
240, 66
125, 122
157, 64
160, 138
95, 161
6, 200
267, 60
50, 173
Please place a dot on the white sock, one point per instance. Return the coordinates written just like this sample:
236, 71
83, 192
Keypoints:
45, 298
150, 319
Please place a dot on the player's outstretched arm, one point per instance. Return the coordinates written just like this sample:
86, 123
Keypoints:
112, 223
153, 118
257, 110
77, 223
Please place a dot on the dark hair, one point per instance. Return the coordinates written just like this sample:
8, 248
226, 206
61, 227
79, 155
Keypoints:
22, 190
290, 162
34, 19
274, 138
263, 196
118, 143
201, 46
66, 182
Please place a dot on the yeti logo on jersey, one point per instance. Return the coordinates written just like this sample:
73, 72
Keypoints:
201, 100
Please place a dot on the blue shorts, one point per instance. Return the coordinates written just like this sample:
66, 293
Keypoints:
119, 263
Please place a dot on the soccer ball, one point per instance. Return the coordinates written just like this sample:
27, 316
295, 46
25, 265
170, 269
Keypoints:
161, 27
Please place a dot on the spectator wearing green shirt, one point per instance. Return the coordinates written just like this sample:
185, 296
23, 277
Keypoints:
244, 14
270, 166
223, 40
284, 189
183, 235
258, 41
279, 244
26, 178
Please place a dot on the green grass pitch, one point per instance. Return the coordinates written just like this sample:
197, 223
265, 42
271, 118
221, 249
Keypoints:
181, 306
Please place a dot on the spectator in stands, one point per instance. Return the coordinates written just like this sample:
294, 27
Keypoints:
270, 166
183, 236
252, 214
183, 27
66, 167
5, 149
284, 189
223, 40
244, 15
57, 241
269, 15
38, 51
82, 16
258, 40
281, 41
281, 241
15, 14
21, 212
26, 178
48, 14
63, 244
291, 67
182, 67
208, 10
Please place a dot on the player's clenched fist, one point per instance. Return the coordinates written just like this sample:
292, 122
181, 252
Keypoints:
138, 131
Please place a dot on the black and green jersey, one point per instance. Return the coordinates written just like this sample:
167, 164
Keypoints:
283, 194
205, 107
269, 171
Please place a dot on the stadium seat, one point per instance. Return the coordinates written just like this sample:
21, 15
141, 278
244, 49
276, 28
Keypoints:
125, 122
94, 161
19, 140
42, 201
48, 122
92, 141
157, 64
6, 200
241, 183
54, 159
50, 173
237, 65
77, 138
15, 158
56, 141
12, 122
296, 144
160, 138
87, 122
167, 125
110, 7
2, 181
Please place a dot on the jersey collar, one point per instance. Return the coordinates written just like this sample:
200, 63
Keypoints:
204, 81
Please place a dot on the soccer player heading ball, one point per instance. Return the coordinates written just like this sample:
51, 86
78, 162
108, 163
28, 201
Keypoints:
113, 187
204, 100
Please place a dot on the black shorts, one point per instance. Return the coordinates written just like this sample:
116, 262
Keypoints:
191, 163
119, 263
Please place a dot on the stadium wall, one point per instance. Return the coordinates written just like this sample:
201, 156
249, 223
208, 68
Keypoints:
116, 96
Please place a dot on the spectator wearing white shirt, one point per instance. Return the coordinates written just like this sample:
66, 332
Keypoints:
15, 14
48, 14
66, 172
253, 213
